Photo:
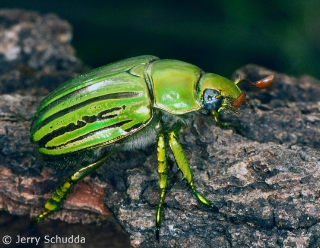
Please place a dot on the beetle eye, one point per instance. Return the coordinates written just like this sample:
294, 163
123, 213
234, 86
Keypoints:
210, 100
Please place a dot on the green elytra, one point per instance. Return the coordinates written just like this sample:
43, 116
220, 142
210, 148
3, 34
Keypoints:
126, 105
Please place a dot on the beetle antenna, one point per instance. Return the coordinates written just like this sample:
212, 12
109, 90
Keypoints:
260, 84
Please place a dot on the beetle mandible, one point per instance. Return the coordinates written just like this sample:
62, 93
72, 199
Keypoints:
126, 105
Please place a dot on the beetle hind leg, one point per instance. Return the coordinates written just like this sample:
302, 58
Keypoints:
183, 164
53, 204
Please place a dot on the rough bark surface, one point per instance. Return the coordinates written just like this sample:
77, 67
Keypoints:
265, 181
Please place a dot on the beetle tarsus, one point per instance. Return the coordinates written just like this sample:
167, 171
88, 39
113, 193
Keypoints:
35, 221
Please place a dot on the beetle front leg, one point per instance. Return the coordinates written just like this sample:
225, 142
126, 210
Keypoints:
183, 164
221, 124
163, 182
53, 204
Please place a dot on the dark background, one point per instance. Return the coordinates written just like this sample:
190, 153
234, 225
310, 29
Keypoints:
218, 36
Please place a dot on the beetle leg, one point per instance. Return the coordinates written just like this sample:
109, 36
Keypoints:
183, 164
221, 124
53, 204
163, 183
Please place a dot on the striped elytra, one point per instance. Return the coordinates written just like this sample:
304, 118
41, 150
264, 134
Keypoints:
94, 109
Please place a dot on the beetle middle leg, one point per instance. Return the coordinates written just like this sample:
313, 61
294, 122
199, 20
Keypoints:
163, 181
184, 166
53, 204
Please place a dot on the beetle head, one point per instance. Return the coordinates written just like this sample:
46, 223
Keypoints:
219, 94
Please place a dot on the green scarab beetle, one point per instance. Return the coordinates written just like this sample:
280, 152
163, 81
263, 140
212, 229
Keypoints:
126, 105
